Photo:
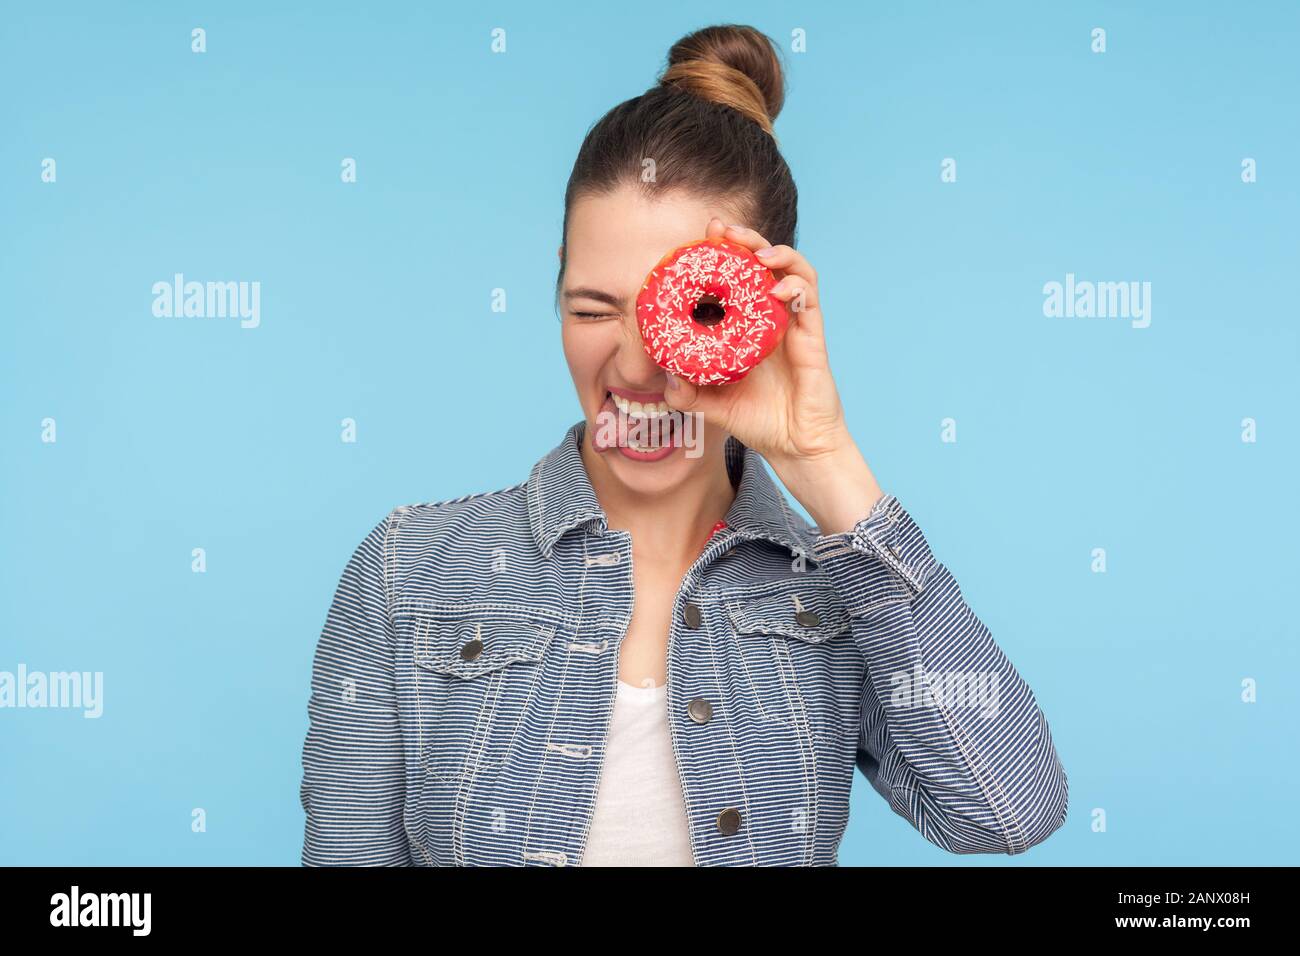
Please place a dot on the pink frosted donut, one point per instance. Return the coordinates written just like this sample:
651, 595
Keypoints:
706, 312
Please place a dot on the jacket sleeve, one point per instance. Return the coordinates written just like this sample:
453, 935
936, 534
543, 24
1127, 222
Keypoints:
950, 734
352, 785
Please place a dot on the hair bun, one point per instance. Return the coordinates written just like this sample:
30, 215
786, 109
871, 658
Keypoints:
730, 64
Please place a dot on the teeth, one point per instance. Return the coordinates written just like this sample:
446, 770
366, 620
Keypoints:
640, 409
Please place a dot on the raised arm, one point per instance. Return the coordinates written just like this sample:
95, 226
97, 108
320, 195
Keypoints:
972, 780
950, 733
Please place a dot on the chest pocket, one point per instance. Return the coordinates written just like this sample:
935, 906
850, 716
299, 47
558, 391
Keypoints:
786, 633
475, 672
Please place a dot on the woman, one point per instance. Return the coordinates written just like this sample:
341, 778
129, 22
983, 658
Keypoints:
641, 655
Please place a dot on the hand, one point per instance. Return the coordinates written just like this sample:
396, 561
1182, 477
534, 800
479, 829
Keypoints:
788, 408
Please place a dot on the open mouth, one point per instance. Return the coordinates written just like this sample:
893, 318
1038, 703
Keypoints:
643, 427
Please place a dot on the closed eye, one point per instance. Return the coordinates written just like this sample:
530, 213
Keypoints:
592, 316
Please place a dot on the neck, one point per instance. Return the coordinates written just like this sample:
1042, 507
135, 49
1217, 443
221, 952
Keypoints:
670, 526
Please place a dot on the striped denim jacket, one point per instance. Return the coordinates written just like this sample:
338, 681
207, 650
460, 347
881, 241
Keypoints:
464, 680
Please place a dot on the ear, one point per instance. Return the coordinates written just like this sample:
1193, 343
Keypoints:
559, 252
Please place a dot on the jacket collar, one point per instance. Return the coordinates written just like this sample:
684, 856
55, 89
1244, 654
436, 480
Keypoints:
560, 498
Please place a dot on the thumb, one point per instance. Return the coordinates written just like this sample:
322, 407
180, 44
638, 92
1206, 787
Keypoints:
685, 396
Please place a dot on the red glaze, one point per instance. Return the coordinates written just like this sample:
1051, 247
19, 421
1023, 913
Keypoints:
753, 320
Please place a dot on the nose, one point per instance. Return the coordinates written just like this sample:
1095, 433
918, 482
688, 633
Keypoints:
634, 364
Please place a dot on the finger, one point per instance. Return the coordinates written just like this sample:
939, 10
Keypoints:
797, 293
685, 397
746, 237
801, 303
790, 261
716, 229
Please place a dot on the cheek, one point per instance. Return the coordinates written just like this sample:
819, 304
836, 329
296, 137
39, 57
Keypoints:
587, 350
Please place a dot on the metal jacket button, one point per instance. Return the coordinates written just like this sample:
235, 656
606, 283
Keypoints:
700, 710
471, 650
808, 618
691, 614
729, 821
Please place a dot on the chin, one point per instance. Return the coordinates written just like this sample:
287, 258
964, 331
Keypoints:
651, 477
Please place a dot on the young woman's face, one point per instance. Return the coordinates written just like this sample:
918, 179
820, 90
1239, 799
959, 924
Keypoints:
613, 243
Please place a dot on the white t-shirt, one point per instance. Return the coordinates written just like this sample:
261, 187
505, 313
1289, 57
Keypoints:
640, 817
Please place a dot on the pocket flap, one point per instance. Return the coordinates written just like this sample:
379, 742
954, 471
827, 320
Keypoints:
467, 645
808, 611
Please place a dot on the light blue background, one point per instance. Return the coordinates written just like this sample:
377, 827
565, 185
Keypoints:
1072, 434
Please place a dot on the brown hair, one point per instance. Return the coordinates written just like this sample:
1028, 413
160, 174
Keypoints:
707, 125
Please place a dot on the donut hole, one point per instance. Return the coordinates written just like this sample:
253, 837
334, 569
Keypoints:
709, 310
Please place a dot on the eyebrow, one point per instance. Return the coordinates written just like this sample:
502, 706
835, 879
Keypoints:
585, 292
